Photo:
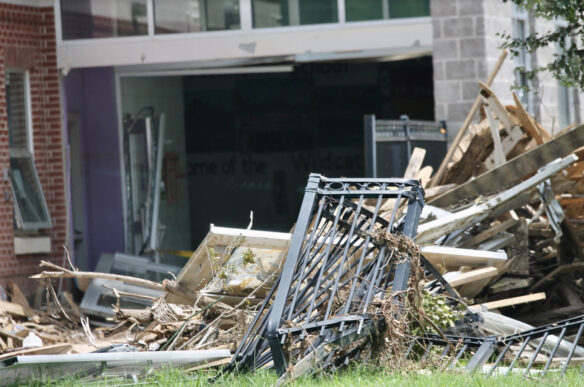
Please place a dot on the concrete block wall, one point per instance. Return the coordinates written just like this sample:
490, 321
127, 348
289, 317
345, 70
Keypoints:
27, 41
466, 49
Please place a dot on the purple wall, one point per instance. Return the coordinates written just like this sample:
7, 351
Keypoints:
90, 93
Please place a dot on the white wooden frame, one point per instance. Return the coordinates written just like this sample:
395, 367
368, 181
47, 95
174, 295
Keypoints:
198, 271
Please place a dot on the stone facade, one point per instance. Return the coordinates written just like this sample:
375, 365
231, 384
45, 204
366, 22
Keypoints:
466, 47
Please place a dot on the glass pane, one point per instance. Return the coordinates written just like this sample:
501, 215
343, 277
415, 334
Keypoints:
360, 10
84, 19
16, 106
28, 197
175, 16
275, 13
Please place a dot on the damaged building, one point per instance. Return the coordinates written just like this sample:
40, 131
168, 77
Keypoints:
147, 142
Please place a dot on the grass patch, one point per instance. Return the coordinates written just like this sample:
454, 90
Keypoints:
356, 376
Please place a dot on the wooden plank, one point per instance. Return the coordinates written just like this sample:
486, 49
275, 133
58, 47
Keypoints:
473, 275
54, 349
514, 170
453, 258
440, 172
215, 363
504, 201
415, 163
424, 175
510, 301
509, 283
526, 121
498, 154
490, 98
14, 309
17, 295
508, 143
470, 161
438, 190
488, 233
567, 268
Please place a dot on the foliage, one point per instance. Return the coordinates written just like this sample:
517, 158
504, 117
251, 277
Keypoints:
567, 39
438, 311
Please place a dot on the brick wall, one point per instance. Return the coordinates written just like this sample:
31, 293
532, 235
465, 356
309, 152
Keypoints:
27, 41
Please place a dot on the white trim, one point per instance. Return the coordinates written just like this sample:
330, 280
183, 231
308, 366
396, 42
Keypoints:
341, 12
286, 30
409, 35
118, 92
211, 71
29, 123
150, 15
245, 15
58, 21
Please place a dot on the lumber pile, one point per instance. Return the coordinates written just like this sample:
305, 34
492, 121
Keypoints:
502, 201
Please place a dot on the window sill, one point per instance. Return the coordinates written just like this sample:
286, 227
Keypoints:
32, 245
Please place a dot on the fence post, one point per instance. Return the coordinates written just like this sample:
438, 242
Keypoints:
370, 146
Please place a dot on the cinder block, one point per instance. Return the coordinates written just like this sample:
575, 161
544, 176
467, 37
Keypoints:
440, 8
470, 7
447, 91
458, 28
472, 48
445, 49
461, 69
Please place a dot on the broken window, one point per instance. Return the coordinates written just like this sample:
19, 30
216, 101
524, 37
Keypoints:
30, 207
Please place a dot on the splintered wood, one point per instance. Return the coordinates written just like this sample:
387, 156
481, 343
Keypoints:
516, 193
503, 220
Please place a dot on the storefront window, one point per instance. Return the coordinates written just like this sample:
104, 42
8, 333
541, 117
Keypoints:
361, 10
84, 19
176, 16
276, 13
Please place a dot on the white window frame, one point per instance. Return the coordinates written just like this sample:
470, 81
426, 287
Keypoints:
27, 153
522, 15
565, 94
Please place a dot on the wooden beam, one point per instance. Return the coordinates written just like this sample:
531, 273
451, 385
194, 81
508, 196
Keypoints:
415, 163
514, 170
424, 175
440, 173
489, 232
516, 196
510, 301
453, 258
568, 268
501, 114
526, 122
473, 275
54, 349
508, 143
14, 309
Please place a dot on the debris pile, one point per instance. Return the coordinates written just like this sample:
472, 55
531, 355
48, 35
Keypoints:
374, 267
